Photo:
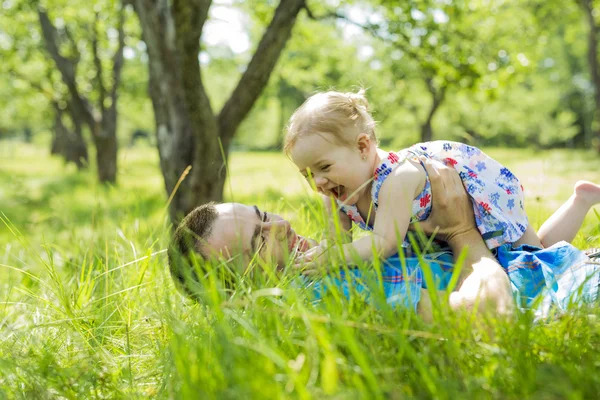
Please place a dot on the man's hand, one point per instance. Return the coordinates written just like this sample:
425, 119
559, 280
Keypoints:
451, 209
486, 289
483, 284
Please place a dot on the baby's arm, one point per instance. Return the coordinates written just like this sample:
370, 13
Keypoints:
393, 214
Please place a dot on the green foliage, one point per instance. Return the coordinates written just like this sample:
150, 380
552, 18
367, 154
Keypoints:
30, 80
23, 67
513, 72
89, 308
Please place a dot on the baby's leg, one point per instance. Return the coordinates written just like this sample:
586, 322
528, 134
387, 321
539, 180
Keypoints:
529, 237
567, 220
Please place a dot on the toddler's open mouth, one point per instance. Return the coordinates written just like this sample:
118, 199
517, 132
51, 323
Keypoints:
339, 192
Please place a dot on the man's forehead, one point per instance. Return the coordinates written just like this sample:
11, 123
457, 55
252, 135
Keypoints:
232, 230
235, 212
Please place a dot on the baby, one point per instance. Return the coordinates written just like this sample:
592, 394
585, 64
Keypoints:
331, 139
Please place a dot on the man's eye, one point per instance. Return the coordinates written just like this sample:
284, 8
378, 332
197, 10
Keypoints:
325, 167
263, 242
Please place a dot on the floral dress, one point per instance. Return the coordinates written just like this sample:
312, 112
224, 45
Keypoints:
496, 194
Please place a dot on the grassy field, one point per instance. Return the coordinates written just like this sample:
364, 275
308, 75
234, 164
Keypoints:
88, 309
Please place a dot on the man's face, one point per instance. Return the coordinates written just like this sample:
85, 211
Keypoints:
246, 230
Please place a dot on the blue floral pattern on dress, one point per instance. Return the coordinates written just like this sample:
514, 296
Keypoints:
492, 187
510, 204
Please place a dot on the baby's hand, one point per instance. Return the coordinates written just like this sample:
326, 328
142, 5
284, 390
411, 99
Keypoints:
315, 259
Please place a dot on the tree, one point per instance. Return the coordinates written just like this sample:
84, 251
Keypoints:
571, 32
69, 143
66, 142
32, 92
590, 13
452, 46
189, 132
315, 59
102, 119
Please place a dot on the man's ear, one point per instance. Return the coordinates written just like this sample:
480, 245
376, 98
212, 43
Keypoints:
363, 144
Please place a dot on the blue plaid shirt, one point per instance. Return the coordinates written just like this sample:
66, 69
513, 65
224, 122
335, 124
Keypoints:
542, 279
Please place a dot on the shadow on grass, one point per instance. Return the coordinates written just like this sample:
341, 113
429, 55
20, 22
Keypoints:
70, 202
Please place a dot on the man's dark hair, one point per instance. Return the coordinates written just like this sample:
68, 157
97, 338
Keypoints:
188, 241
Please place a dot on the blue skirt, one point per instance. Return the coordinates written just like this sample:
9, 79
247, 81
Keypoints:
559, 276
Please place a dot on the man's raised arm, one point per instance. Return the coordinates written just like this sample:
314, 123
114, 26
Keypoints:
483, 281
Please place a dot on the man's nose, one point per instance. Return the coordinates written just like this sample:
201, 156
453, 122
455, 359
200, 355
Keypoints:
279, 228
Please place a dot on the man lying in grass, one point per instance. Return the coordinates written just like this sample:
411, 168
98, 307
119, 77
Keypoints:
232, 230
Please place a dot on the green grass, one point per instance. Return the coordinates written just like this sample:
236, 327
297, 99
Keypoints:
87, 307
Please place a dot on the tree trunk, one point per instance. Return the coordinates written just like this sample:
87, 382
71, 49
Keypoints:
437, 100
103, 128
188, 131
426, 131
27, 134
588, 9
106, 156
76, 151
69, 144
59, 134
289, 98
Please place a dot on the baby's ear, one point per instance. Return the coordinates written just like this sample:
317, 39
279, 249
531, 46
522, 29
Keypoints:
363, 143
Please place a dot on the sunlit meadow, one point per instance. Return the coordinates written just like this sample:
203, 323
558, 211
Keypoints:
88, 309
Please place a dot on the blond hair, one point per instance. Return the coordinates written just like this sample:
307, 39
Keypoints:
343, 115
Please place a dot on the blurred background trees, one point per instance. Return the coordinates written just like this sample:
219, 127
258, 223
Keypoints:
205, 78
73, 54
